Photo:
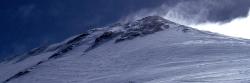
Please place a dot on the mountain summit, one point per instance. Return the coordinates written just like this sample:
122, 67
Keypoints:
149, 50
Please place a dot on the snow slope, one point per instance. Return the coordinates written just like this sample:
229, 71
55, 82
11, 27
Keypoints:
150, 50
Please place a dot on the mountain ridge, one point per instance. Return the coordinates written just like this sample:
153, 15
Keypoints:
154, 30
107, 30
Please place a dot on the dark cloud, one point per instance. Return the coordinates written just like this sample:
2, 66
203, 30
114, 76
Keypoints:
26, 11
226, 10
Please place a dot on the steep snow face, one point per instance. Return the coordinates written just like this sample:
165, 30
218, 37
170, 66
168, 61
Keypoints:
150, 50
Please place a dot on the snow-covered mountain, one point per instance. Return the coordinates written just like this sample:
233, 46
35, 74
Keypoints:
150, 50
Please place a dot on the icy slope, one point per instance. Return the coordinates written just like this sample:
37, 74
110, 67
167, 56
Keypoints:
150, 50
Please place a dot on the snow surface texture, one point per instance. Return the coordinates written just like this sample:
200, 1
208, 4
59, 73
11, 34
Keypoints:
150, 50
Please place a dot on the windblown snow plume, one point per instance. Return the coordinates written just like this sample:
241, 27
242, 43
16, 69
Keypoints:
239, 27
227, 17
